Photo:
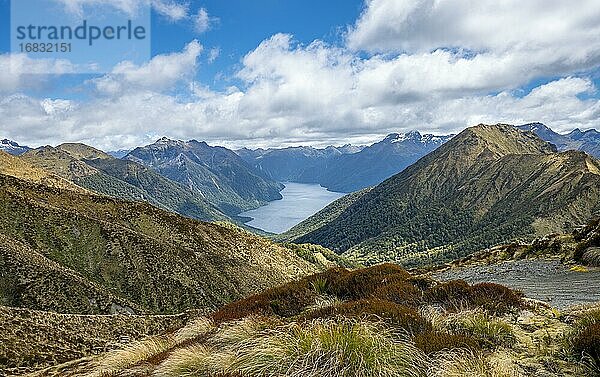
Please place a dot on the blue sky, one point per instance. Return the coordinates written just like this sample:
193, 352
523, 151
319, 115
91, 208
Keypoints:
238, 26
289, 72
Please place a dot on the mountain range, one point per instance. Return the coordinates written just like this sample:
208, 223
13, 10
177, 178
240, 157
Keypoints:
347, 168
97, 171
12, 147
218, 174
487, 185
208, 171
586, 141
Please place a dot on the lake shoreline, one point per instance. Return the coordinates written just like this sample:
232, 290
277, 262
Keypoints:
300, 201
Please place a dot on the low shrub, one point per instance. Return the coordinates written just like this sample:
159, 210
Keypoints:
436, 341
586, 343
458, 295
452, 295
495, 298
287, 300
363, 283
400, 292
399, 316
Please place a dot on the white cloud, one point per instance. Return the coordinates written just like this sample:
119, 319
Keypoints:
202, 21
19, 72
433, 65
171, 9
213, 54
161, 73
503, 43
480, 25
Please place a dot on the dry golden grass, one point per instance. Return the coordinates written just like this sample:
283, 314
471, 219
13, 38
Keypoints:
16, 167
463, 363
142, 351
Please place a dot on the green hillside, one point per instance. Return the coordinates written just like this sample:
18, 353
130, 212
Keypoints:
162, 262
488, 185
97, 171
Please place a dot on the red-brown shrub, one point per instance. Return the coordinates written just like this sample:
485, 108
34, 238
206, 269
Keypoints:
374, 309
587, 343
357, 284
433, 341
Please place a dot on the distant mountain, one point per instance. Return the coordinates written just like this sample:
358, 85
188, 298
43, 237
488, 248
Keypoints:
218, 174
119, 153
375, 163
487, 185
12, 147
97, 171
586, 141
347, 168
289, 164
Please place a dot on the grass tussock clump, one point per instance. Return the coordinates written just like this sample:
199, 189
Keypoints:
319, 348
328, 348
489, 331
463, 363
591, 257
145, 350
133, 354
586, 344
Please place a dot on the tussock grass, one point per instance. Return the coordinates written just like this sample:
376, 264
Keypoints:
325, 348
591, 257
193, 361
473, 364
490, 331
135, 353
198, 327
144, 350
319, 348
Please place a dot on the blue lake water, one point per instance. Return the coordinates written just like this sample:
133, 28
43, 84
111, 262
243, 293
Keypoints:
299, 202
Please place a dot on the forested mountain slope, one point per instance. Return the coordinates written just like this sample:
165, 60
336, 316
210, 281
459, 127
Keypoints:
489, 184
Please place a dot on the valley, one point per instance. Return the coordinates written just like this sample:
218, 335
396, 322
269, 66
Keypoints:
149, 256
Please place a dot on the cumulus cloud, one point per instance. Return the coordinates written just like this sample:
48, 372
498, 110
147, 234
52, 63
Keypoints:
503, 43
433, 65
483, 25
161, 73
19, 72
